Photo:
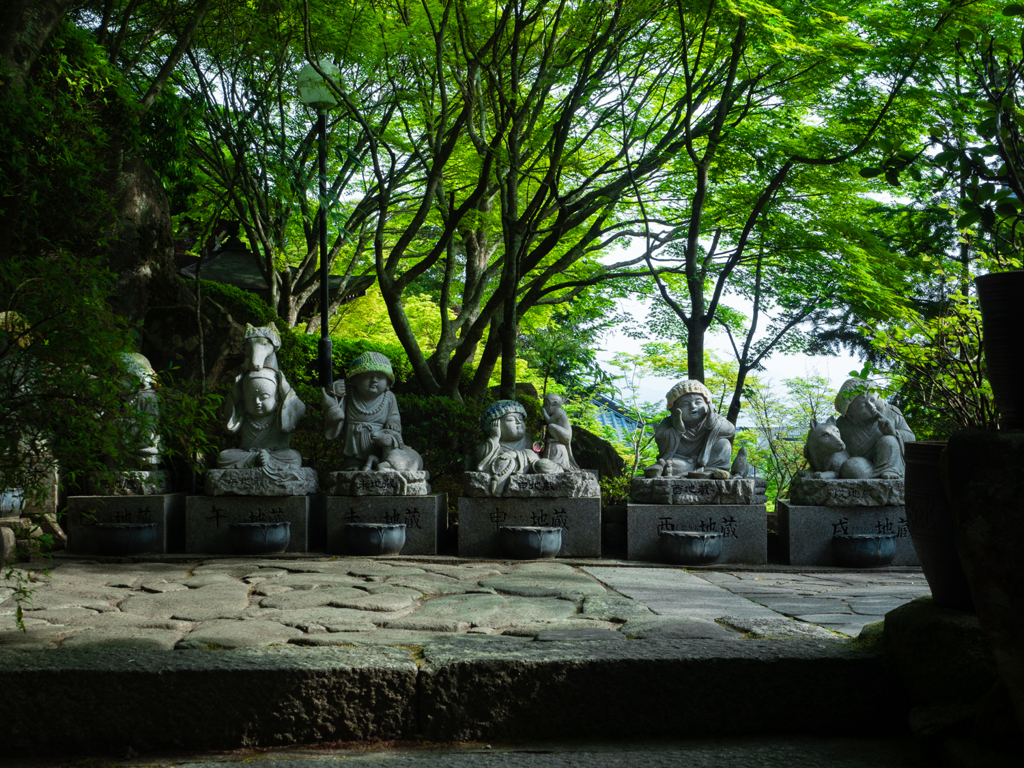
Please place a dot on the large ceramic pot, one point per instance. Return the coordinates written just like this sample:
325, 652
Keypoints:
529, 542
985, 477
864, 550
1001, 296
121, 539
931, 525
373, 539
690, 547
259, 538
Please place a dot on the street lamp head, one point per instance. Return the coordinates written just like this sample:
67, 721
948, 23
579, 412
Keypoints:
313, 89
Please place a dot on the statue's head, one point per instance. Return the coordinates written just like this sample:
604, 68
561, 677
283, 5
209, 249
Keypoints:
260, 390
858, 402
260, 344
139, 366
371, 375
506, 420
691, 398
553, 400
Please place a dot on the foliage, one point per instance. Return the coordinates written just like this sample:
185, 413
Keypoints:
63, 137
244, 306
938, 370
638, 447
781, 420
191, 429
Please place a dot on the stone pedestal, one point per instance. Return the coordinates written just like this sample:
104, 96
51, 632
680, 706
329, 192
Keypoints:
581, 484
805, 532
694, 491
393, 483
813, 492
425, 519
579, 518
743, 528
207, 519
167, 510
257, 482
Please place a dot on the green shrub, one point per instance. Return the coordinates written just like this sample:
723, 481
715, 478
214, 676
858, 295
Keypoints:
244, 306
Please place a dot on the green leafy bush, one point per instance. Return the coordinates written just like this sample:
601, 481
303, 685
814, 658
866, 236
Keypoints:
244, 306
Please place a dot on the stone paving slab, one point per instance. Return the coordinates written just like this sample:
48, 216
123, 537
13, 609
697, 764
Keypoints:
522, 647
670, 592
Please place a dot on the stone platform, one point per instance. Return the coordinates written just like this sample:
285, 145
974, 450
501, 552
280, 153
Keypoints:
207, 519
181, 653
257, 482
813, 492
166, 510
580, 484
805, 532
393, 483
744, 529
481, 518
685, 490
425, 518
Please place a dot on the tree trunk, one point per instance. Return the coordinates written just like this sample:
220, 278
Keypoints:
26, 27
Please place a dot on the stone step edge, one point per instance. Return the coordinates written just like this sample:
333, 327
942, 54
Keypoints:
99, 701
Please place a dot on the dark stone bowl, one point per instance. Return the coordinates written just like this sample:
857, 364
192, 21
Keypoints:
373, 539
690, 547
529, 542
864, 550
259, 538
119, 539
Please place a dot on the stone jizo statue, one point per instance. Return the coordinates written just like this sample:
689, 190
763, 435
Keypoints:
367, 419
873, 433
143, 433
262, 409
508, 448
692, 440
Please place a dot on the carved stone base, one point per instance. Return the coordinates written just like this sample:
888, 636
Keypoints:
846, 493
682, 491
481, 519
388, 483
142, 483
744, 528
166, 510
571, 485
258, 482
207, 519
805, 532
425, 519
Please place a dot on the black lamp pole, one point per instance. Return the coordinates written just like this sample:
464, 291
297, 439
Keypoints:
326, 353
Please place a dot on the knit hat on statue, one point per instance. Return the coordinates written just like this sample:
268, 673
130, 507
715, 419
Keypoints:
498, 409
685, 388
371, 361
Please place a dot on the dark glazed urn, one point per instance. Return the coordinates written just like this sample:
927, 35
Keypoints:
985, 480
930, 522
373, 539
690, 547
1001, 296
259, 538
529, 542
864, 550
120, 539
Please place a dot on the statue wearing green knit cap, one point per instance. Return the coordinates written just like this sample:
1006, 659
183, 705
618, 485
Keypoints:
508, 447
367, 419
692, 438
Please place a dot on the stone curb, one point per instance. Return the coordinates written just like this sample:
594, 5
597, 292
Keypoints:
99, 701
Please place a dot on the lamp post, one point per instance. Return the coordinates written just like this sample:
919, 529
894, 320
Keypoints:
314, 92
